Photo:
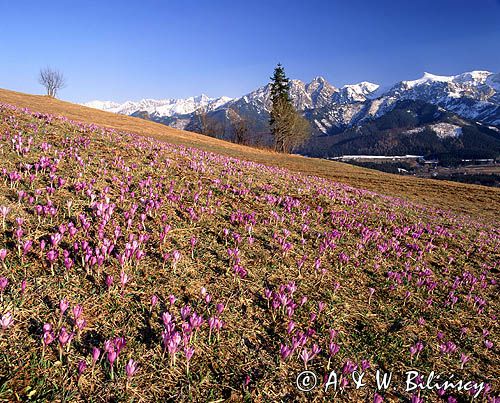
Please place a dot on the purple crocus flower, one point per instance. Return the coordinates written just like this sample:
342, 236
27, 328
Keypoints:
3, 284
131, 368
64, 337
82, 366
77, 311
112, 357
95, 354
285, 351
6, 320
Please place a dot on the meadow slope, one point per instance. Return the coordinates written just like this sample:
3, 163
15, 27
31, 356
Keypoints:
477, 201
133, 269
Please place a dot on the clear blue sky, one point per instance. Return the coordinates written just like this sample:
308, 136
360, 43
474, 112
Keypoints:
119, 50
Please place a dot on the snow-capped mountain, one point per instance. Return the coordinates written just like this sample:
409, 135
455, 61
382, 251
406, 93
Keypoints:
411, 127
473, 95
315, 95
161, 107
349, 94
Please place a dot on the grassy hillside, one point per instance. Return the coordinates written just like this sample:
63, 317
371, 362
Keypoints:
477, 201
223, 279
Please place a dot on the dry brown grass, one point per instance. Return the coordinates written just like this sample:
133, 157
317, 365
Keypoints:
406, 254
477, 201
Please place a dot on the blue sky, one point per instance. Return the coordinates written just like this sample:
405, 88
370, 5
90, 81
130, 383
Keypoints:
119, 50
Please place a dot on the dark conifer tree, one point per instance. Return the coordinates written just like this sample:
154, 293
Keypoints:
288, 127
280, 84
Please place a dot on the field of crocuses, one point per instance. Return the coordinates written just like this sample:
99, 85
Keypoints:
135, 270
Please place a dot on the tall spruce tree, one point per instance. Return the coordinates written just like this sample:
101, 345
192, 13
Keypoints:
288, 127
280, 85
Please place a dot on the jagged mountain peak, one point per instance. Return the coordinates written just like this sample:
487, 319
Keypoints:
319, 82
363, 84
161, 107
474, 77
352, 93
319, 79
473, 95
427, 78
478, 76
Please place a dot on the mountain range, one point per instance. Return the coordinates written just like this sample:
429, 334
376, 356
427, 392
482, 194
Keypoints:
467, 99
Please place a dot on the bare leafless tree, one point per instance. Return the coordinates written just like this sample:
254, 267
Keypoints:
208, 125
53, 80
239, 127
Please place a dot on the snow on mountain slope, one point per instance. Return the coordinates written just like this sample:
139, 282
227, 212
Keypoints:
161, 107
355, 92
426, 79
442, 130
320, 92
473, 95
440, 89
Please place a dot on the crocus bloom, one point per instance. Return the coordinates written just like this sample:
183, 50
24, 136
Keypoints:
82, 365
176, 257
112, 357
349, 367
77, 311
333, 349
3, 283
131, 368
416, 399
6, 320
48, 337
464, 359
95, 354
108, 346
23, 286
80, 323
119, 343
416, 349
247, 381
123, 278
306, 356
285, 351
52, 256
63, 305
109, 281
64, 336
189, 351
